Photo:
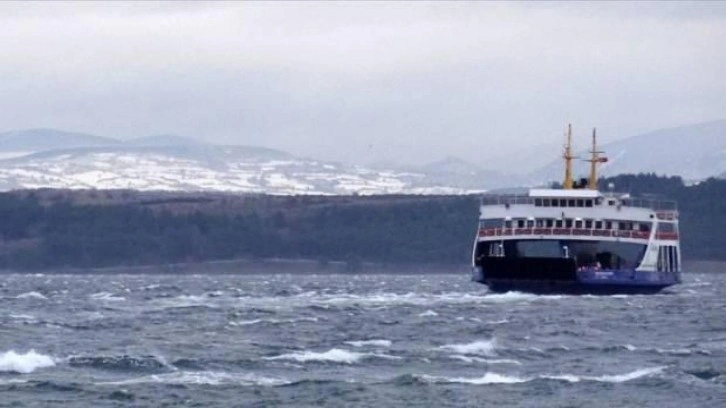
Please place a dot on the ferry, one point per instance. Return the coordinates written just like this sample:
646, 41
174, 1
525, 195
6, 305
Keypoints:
577, 239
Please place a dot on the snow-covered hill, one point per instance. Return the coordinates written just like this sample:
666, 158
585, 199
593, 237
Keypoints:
56, 159
205, 168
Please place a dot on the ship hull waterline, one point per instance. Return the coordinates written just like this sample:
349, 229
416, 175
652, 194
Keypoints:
585, 281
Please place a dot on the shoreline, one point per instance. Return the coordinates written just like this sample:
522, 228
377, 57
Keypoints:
301, 267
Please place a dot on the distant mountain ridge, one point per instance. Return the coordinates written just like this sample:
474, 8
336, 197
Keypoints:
164, 140
38, 158
32, 140
694, 152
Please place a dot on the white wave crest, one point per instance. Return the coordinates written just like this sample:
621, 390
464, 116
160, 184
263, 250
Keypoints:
330, 356
107, 297
481, 347
246, 322
202, 377
272, 321
500, 321
373, 343
471, 359
428, 313
612, 378
494, 378
519, 297
488, 378
24, 363
31, 295
333, 355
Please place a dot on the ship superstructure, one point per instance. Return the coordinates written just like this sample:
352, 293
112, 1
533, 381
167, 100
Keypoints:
577, 239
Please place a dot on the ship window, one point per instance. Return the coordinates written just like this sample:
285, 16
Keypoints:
540, 223
550, 223
558, 223
611, 202
546, 202
539, 249
578, 223
563, 203
530, 223
580, 203
491, 223
570, 203
508, 224
588, 203
644, 227
608, 225
568, 223
538, 202
666, 227
520, 223
588, 224
598, 224
598, 201
624, 226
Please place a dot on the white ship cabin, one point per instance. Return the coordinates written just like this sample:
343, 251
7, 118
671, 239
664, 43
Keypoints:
570, 219
607, 229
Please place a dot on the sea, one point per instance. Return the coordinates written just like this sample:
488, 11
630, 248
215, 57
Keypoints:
367, 340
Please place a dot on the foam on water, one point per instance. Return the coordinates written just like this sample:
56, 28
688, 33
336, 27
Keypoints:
488, 378
273, 321
495, 378
610, 378
481, 347
331, 356
471, 359
202, 377
519, 297
107, 297
428, 313
13, 362
31, 295
373, 343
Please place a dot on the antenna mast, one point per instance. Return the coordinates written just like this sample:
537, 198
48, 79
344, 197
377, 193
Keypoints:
567, 184
594, 160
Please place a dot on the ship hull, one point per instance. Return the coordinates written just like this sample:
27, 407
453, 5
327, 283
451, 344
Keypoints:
570, 288
584, 281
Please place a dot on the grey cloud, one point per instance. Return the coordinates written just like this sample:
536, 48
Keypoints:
357, 81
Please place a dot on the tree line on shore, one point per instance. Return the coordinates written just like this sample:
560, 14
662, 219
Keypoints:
54, 229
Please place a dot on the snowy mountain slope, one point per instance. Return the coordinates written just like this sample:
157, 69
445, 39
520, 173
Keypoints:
204, 168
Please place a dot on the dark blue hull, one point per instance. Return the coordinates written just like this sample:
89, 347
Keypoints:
571, 288
587, 281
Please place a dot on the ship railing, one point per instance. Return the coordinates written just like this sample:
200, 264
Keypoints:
583, 232
506, 199
516, 199
652, 203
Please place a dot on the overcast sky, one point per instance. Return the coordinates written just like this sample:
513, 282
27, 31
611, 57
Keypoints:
363, 82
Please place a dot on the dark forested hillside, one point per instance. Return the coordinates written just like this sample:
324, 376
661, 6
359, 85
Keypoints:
62, 229
46, 229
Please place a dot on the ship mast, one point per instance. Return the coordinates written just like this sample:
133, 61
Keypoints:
568, 183
594, 160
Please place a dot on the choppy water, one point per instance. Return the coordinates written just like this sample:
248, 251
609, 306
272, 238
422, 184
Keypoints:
369, 341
